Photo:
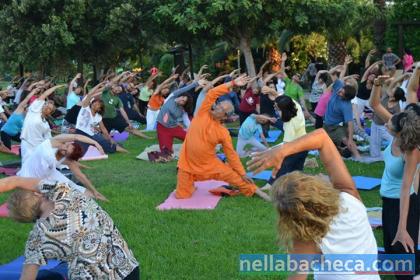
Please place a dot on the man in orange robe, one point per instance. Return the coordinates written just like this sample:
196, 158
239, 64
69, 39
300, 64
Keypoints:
198, 160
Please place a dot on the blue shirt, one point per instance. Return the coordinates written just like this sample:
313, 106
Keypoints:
392, 177
338, 109
14, 124
72, 99
127, 100
249, 128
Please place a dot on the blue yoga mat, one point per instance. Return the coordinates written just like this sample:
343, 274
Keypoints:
265, 175
273, 136
12, 270
366, 183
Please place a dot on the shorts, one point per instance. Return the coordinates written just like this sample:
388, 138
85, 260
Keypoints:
337, 133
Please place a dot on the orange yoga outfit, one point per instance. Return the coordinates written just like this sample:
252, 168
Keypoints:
198, 160
155, 102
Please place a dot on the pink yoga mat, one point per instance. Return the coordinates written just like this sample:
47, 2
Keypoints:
4, 212
201, 199
93, 154
15, 149
8, 171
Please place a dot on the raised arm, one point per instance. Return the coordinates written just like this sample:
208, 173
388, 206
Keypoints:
347, 61
369, 57
260, 73
13, 182
218, 91
78, 76
49, 91
92, 93
413, 86
369, 70
319, 74
65, 138
21, 107
316, 140
375, 99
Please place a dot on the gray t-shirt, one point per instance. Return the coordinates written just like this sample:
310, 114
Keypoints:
389, 59
393, 110
171, 113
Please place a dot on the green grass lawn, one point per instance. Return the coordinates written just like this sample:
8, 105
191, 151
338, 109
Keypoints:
178, 244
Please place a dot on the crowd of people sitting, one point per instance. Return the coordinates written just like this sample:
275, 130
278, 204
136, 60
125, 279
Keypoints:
194, 109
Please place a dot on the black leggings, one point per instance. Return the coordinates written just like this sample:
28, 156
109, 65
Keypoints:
134, 275
291, 163
319, 121
390, 219
7, 139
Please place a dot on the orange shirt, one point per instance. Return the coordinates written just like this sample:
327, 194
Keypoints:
198, 153
156, 101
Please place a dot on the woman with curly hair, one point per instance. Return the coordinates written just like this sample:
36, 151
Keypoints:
317, 216
70, 227
400, 200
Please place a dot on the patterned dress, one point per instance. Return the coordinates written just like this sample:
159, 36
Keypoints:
80, 233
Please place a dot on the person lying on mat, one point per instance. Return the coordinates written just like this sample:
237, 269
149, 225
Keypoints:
316, 216
70, 227
252, 124
198, 160
61, 149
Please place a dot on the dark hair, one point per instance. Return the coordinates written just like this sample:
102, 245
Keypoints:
349, 92
324, 77
189, 105
287, 107
399, 94
77, 152
407, 123
102, 108
408, 51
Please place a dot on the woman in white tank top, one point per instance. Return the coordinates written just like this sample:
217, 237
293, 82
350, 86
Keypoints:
316, 216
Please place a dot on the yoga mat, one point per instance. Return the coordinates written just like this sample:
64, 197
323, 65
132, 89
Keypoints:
8, 171
222, 157
12, 270
4, 211
200, 200
120, 137
273, 136
381, 250
93, 154
366, 183
375, 216
264, 175
15, 149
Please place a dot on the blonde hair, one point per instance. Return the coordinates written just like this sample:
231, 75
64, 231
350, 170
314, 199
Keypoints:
24, 206
306, 206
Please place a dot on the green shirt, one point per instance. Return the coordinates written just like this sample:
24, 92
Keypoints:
112, 103
145, 94
293, 90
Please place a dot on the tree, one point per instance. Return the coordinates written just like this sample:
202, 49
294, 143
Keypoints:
237, 22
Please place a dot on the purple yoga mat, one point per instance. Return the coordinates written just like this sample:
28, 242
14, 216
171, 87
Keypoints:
201, 199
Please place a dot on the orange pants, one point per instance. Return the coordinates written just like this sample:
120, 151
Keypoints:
185, 185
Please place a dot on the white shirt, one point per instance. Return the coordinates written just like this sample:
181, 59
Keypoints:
35, 129
350, 233
280, 86
41, 163
86, 122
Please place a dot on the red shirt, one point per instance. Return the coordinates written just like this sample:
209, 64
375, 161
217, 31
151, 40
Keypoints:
249, 101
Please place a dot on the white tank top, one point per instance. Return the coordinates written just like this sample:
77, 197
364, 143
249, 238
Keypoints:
350, 233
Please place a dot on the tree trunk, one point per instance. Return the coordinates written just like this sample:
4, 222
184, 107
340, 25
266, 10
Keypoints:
190, 61
80, 65
21, 70
379, 26
95, 75
336, 52
245, 47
